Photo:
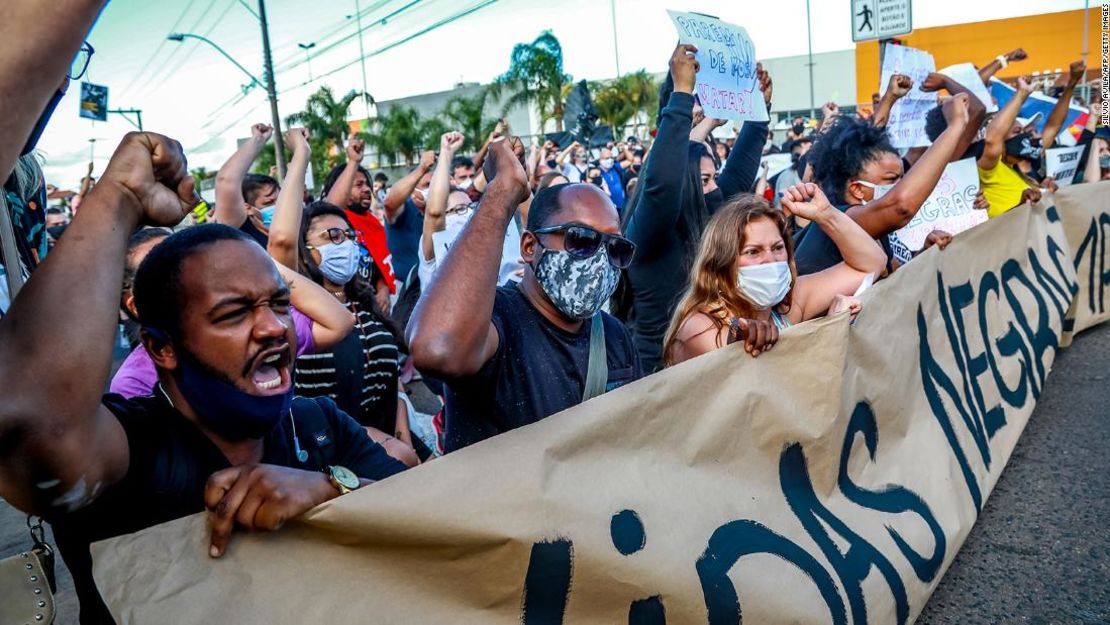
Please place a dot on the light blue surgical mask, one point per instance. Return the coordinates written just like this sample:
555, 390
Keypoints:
267, 215
339, 261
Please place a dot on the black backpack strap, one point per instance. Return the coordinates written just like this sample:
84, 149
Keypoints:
313, 432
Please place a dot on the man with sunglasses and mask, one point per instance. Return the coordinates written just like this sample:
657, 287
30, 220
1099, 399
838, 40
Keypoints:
514, 355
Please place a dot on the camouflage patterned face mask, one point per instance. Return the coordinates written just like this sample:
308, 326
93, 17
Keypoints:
577, 287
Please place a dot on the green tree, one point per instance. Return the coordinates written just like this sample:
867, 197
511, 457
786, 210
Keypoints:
642, 91
466, 114
403, 131
324, 116
614, 108
535, 77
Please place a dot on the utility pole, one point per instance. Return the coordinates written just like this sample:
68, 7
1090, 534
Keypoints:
616, 52
362, 59
124, 114
809, 39
271, 89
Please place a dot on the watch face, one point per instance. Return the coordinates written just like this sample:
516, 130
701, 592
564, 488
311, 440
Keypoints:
345, 476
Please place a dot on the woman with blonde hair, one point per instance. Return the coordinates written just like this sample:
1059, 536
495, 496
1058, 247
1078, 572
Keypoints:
744, 284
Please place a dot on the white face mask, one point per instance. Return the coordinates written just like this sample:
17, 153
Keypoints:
466, 184
765, 285
879, 189
606, 164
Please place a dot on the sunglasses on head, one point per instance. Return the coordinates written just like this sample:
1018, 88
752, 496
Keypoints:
583, 242
339, 235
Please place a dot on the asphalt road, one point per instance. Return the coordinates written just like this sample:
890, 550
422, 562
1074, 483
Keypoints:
1040, 551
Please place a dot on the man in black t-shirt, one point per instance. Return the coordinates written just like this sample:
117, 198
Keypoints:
222, 431
514, 355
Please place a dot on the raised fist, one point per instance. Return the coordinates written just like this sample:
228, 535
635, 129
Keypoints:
152, 169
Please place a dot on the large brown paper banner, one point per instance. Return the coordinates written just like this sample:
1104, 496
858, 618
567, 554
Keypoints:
832, 479
1085, 211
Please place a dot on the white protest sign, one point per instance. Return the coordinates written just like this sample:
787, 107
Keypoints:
968, 76
726, 84
1062, 163
510, 252
775, 163
949, 208
906, 126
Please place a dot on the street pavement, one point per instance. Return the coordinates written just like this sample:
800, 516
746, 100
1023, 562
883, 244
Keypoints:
1040, 551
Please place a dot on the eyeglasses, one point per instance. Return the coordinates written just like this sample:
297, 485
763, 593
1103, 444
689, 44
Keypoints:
80, 62
459, 209
583, 242
339, 235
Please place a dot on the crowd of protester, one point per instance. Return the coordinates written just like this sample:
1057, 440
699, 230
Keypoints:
272, 348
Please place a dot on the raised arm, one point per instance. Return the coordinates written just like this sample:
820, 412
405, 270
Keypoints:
664, 174
331, 321
435, 210
442, 341
40, 40
862, 255
1093, 173
976, 111
562, 157
995, 140
499, 130
395, 198
743, 160
61, 446
896, 89
340, 193
285, 229
231, 208
1000, 61
895, 209
1059, 113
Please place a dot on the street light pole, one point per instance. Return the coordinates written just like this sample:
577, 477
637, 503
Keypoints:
362, 58
809, 38
271, 89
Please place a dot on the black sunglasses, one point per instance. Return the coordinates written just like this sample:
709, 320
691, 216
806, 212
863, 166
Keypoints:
80, 62
339, 235
583, 242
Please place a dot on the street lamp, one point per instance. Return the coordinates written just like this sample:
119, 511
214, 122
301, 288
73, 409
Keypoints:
307, 59
271, 91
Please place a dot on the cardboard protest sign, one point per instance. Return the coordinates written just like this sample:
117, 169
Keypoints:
726, 84
1062, 164
510, 252
906, 126
968, 76
847, 465
950, 207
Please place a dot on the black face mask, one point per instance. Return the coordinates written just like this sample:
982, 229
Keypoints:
799, 128
55, 232
596, 180
636, 168
40, 125
714, 199
1026, 148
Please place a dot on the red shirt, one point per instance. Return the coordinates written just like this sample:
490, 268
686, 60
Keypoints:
371, 234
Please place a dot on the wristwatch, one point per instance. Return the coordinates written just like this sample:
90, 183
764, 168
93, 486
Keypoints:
342, 478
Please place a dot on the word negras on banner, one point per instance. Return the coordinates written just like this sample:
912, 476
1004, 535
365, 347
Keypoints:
1032, 299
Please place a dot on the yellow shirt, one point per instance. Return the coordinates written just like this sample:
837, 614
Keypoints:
1002, 186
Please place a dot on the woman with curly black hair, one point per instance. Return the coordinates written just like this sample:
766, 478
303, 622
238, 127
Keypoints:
861, 173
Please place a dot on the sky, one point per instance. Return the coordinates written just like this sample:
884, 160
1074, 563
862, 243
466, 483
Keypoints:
188, 91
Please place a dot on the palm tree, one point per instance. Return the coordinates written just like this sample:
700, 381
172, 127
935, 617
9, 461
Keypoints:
642, 91
535, 78
324, 116
402, 131
466, 114
614, 107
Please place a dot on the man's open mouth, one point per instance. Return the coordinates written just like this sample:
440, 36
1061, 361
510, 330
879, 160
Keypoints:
272, 371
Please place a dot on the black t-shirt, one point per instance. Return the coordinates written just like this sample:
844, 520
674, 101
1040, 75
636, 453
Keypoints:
254, 233
815, 251
538, 370
170, 463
